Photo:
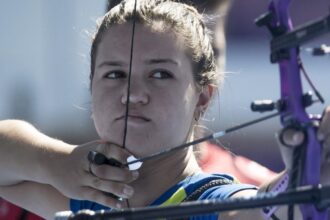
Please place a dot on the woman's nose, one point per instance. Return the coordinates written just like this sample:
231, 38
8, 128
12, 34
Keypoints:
137, 95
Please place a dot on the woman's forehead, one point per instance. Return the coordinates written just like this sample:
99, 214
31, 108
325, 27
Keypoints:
148, 44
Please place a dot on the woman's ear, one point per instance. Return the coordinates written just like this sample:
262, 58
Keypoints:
205, 97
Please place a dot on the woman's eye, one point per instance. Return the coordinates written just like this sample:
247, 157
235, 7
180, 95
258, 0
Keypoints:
115, 75
162, 75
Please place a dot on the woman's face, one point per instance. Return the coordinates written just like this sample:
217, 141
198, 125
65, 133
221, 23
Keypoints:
163, 94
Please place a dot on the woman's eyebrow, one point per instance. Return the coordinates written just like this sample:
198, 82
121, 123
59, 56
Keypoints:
111, 63
166, 60
149, 61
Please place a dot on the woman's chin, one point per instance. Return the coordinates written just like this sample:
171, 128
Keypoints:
138, 152
141, 152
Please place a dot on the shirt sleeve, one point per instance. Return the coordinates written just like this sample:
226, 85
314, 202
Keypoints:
220, 193
225, 191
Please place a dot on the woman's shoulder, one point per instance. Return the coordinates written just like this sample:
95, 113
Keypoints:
201, 186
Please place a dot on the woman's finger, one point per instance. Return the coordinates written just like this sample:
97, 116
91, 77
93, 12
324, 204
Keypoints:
323, 134
113, 151
324, 128
113, 173
119, 189
100, 197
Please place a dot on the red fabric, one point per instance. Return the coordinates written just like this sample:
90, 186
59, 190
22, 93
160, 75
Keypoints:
9, 211
217, 160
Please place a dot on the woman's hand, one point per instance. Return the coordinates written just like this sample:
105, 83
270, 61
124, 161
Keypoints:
74, 176
323, 135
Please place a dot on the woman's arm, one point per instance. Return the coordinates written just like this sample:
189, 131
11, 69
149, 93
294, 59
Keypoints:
35, 167
24, 179
26, 153
323, 136
42, 199
256, 214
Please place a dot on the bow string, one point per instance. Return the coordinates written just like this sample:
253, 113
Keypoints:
129, 80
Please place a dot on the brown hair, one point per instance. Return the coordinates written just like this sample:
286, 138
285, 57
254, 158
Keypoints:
181, 19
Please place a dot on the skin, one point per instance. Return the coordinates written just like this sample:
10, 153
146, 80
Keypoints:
39, 182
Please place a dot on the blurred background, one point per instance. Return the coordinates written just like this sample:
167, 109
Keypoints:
44, 71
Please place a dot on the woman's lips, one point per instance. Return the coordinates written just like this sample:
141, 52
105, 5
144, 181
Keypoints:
135, 119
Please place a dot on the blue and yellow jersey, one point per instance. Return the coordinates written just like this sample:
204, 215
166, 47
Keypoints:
191, 188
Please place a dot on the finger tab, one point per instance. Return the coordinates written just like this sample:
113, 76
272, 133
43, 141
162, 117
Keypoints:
133, 166
96, 158
114, 162
119, 154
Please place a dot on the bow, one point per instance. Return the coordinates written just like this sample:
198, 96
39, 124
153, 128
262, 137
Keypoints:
305, 172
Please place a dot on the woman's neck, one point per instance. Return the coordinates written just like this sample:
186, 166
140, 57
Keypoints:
157, 176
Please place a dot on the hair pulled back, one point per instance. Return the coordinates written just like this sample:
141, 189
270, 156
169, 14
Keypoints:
165, 15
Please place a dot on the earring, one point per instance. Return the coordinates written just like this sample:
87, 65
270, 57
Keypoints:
196, 117
199, 115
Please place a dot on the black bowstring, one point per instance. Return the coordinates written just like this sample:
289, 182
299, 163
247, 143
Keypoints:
129, 81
